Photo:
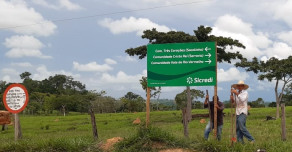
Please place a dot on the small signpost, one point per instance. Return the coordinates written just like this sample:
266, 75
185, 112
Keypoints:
182, 64
15, 99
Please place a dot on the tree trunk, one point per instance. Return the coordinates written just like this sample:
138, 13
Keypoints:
185, 122
64, 111
189, 105
278, 110
277, 99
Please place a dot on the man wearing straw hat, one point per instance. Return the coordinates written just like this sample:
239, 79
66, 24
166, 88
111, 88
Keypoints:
240, 98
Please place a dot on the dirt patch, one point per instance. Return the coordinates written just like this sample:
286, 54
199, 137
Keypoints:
108, 146
202, 121
137, 121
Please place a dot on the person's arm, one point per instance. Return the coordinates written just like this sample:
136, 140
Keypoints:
206, 101
220, 106
231, 96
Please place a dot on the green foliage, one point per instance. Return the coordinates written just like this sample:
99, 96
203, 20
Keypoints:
58, 84
198, 105
153, 90
133, 102
181, 98
145, 138
259, 103
202, 34
57, 145
272, 104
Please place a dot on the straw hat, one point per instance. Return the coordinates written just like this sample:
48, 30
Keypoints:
240, 82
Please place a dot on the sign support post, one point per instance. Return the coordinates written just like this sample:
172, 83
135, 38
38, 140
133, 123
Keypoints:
148, 107
215, 97
15, 99
17, 127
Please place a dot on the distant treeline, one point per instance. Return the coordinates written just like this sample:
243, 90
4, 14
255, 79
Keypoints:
62, 93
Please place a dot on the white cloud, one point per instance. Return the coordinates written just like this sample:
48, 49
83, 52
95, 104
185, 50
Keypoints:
131, 24
279, 50
42, 73
286, 37
6, 78
69, 5
91, 67
16, 16
60, 4
127, 59
231, 74
9, 71
234, 27
122, 77
22, 64
283, 11
24, 46
117, 84
110, 61
45, 4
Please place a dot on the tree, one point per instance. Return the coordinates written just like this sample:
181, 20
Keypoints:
198, 105
143, 82
273, 69
25, 75
257, 103
3, 86
202, 34
287, 96
272, 104
181, 101
133, 102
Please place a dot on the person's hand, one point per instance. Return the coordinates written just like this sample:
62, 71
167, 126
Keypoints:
233, 91
232, 98
217, 106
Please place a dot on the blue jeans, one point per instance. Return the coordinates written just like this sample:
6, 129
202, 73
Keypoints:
241, 128
208, 130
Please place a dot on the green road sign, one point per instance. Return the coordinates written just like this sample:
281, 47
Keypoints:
181, 64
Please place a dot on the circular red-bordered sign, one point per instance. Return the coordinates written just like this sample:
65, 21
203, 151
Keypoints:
15, 98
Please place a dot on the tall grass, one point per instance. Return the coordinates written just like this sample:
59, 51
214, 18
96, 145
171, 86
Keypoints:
74, 133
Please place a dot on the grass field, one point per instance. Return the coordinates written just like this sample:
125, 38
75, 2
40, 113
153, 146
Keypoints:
74, 132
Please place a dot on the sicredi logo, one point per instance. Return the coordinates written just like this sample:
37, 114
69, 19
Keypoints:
191, 80
200, 80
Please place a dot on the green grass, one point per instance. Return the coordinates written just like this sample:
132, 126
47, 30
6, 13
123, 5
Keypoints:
74, 132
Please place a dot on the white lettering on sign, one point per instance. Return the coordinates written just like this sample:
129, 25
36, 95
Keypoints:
199, 80
15, 98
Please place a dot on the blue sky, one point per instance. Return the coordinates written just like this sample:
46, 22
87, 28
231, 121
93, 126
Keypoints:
38, 36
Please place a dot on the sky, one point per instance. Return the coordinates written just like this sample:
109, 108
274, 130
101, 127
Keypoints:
87, 39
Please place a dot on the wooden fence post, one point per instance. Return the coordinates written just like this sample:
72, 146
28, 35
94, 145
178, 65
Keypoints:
283, 122
93, 123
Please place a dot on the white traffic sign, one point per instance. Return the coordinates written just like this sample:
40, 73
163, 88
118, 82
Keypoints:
15, 98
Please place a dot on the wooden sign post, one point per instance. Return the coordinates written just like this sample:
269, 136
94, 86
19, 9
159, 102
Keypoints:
15, 99
215, 97
148, 107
